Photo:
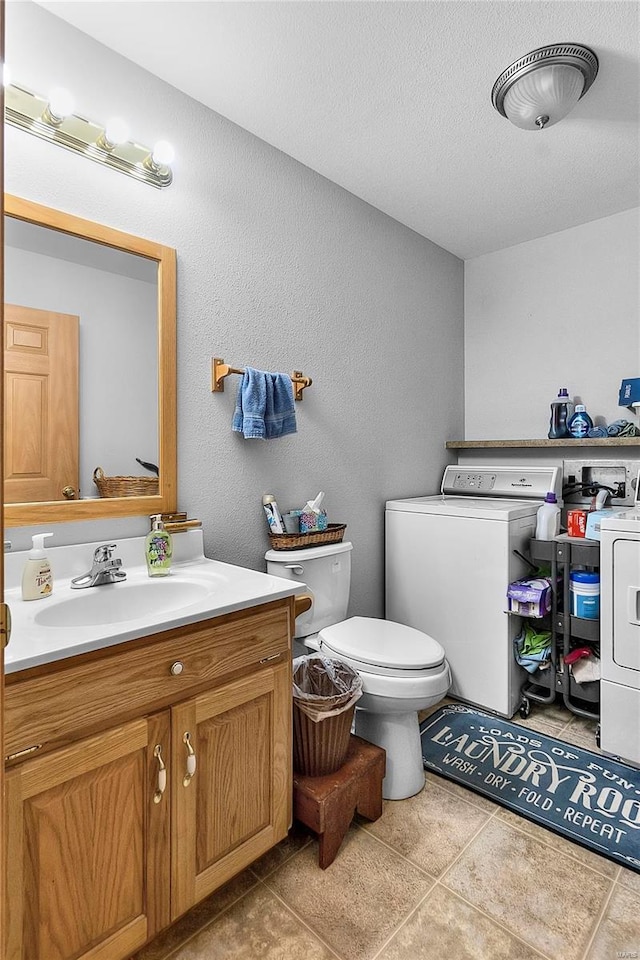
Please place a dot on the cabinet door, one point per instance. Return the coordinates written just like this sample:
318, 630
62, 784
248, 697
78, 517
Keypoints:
88, 847
237, 804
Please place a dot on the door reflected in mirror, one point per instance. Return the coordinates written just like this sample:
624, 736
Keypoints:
89, 356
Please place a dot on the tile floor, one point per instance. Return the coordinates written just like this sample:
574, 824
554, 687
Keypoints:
445, 874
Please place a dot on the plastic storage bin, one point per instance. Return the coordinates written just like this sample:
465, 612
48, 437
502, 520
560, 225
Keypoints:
325, 692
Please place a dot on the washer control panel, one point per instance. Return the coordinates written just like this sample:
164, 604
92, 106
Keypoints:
516, 482
464, 482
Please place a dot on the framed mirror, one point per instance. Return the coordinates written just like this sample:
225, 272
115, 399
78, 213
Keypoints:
90, 370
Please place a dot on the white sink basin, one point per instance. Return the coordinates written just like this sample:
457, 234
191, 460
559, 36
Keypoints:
71, 622
117, 602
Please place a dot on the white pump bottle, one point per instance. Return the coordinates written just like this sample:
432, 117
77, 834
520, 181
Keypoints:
37, 579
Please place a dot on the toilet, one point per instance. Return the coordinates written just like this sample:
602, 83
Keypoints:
403, 670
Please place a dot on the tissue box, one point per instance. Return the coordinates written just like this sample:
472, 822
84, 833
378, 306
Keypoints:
311, 522
629, 392
530, 598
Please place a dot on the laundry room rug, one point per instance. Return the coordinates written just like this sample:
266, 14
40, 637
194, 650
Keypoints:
584, 796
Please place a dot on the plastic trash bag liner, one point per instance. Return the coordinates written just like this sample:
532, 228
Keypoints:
324, 687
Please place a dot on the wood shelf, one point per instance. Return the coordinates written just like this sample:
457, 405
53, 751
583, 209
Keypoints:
528, 444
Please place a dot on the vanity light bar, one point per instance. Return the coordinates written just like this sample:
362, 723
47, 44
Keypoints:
31, 112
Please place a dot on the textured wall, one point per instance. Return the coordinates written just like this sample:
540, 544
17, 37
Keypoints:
560, 311
277, 268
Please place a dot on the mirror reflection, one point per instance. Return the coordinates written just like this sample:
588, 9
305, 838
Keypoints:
89, 357
81, 365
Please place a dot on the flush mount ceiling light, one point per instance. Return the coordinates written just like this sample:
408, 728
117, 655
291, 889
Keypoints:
53, 119
544, 86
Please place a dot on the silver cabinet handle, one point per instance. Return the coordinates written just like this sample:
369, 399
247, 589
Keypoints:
191, 760
161, 784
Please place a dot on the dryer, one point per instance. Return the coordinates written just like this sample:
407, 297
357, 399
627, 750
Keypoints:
448, 562
620, 634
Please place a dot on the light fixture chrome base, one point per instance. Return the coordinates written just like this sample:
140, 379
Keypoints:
30, 112
570, 54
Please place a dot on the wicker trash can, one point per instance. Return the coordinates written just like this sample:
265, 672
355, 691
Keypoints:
325, 692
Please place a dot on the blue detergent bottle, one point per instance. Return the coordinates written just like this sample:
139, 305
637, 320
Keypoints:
561, 411
580, 423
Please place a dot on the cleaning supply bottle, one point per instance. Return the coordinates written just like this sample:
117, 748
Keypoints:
548, 518
37, 579
272, 512
561, 412
580, 423
158, 548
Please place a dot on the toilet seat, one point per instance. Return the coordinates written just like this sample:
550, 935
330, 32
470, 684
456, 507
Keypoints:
383, 647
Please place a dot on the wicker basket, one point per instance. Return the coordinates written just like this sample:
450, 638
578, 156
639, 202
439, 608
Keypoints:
125, 486
298, 541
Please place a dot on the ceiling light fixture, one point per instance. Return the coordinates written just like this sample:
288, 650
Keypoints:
544, 86
53, 119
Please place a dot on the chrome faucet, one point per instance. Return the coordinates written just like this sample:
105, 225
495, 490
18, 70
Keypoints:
105, 569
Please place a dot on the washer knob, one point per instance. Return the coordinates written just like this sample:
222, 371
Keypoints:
176, 668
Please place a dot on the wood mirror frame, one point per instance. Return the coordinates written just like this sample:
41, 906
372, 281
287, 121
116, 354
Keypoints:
27, 514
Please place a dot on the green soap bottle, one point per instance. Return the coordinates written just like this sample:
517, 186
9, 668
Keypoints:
158, 549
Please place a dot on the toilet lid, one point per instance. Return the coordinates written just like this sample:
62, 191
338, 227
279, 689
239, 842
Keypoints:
382, 643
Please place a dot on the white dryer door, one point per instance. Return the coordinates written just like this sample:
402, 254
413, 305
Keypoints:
626, 604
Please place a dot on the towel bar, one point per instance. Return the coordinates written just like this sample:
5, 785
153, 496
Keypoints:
220, 370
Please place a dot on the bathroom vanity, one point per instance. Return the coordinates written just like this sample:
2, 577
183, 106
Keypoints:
143, 774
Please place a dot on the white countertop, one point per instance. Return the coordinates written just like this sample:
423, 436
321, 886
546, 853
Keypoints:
196, 589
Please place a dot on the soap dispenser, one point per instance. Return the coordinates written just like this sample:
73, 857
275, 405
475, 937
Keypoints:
37, 579
158, 548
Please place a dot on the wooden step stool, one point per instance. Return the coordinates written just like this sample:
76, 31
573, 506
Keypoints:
328, 804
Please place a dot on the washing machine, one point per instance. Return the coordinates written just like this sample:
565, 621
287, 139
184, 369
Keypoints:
448, 562
620, 634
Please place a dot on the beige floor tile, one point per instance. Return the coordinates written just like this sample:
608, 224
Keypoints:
619, 932
258, 927
429, 829
470, 796
551, 714
445, 926
560, 844
543, 899
356, 903
297, 838
630, 879
538, 720
198, 917
582, 732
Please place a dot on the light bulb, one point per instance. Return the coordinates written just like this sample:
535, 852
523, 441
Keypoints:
163, 153
116, 131
61, 104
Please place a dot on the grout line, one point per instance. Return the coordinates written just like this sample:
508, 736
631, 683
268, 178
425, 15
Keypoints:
293, 854
549, 843
599, 920
405, 921
490, 817
498, 923
174, 950
301, 920
388, 846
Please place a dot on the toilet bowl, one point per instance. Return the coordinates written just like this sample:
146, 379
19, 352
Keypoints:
403, 671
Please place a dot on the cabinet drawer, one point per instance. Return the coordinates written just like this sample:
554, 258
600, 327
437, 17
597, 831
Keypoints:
139, 676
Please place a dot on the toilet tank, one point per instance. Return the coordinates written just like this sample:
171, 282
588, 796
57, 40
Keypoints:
327, 574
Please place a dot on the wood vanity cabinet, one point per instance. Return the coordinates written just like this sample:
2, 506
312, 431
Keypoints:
162, 768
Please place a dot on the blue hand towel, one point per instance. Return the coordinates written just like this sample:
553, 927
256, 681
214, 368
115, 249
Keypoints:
264, 405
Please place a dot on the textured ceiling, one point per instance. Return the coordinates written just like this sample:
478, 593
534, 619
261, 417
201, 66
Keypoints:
391, 100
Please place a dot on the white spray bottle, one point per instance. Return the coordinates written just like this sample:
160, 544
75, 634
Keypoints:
37, 579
